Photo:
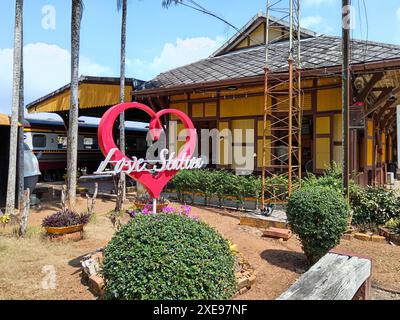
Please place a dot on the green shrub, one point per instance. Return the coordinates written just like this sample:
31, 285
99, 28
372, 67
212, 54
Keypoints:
276, 187
223, 184
374, 207
318, 215
331, 178
167, 256
393, 224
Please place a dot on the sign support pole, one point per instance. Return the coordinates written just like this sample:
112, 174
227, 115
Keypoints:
154, 205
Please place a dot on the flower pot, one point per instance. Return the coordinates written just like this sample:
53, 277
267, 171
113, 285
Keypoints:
64, 230
141, 206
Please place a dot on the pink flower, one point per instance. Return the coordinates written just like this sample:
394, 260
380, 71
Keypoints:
168, 210
186, 209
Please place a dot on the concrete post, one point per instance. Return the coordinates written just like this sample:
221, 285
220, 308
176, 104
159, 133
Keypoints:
398, 141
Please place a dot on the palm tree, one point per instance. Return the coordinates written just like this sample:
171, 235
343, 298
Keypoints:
122, 5
76, 17
168, 3
17, 101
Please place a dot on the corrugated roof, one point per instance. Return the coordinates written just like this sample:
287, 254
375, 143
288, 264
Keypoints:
317, 52
257, 20
86, 79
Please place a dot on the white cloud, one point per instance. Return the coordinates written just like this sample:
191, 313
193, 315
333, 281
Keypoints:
311, 21
317, 2
173, 55
46, 68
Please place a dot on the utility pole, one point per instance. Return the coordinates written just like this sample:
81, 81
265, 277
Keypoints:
290, 118
266, 69
122, 178
346, 25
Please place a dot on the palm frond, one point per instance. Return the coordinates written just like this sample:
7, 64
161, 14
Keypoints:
119, 5
168, 3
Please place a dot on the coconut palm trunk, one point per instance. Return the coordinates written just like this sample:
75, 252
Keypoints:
122, 5
16, 102
72, 149
21, 120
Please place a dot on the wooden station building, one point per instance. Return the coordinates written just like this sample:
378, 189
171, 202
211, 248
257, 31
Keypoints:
226, 90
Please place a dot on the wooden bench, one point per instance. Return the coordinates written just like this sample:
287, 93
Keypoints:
337, 276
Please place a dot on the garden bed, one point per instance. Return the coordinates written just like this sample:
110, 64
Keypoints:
277, 264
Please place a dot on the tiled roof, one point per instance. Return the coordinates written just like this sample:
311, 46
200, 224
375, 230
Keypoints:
317, 52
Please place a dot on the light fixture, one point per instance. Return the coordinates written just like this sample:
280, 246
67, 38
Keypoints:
232, 88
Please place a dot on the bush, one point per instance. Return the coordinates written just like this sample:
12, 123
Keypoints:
223, 184
166, 257
318, 215
393, 224
374, 207
332, 178
65, 219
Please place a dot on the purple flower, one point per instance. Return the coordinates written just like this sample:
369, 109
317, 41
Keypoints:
132, 213
186, 209
168, 210
147, 210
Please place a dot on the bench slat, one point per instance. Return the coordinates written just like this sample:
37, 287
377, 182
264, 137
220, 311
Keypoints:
334, 277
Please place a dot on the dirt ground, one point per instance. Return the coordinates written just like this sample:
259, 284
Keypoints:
25, 264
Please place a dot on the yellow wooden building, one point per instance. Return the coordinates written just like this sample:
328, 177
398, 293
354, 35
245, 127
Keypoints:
226, 90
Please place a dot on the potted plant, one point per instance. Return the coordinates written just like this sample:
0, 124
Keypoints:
141, 202
65, 222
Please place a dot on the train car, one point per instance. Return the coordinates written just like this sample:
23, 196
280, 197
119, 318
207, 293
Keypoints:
31, 165
48, 140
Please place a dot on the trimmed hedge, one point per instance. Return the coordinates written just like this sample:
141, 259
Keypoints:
168, 257
222, 184
318, 215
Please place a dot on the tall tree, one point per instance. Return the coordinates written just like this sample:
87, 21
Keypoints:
16, 103
21, 120
122, 5
76, 18
167, 3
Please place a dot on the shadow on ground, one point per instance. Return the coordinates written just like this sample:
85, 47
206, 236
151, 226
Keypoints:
289, 260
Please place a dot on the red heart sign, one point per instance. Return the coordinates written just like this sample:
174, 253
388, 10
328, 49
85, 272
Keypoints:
153, 183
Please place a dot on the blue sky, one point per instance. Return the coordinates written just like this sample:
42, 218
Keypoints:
158, 39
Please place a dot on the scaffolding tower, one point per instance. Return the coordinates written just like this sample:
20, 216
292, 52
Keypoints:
283, 105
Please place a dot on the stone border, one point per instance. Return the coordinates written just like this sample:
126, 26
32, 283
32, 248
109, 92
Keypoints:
244, 273
364, 237
389, 235
92, 262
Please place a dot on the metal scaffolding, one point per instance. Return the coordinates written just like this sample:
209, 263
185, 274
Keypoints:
283, 106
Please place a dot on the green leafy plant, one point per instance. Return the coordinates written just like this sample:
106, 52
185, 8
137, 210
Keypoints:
220, 184
318, 215
168, 256
374, 207
393, 224
223, 185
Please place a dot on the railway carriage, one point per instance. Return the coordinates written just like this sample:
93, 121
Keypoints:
48, 140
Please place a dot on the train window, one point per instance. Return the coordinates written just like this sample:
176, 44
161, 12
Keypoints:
90, 143
39, 141
62, 142
141, 144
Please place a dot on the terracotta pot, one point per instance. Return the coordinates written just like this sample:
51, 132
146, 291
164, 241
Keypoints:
64, 230
141, 206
